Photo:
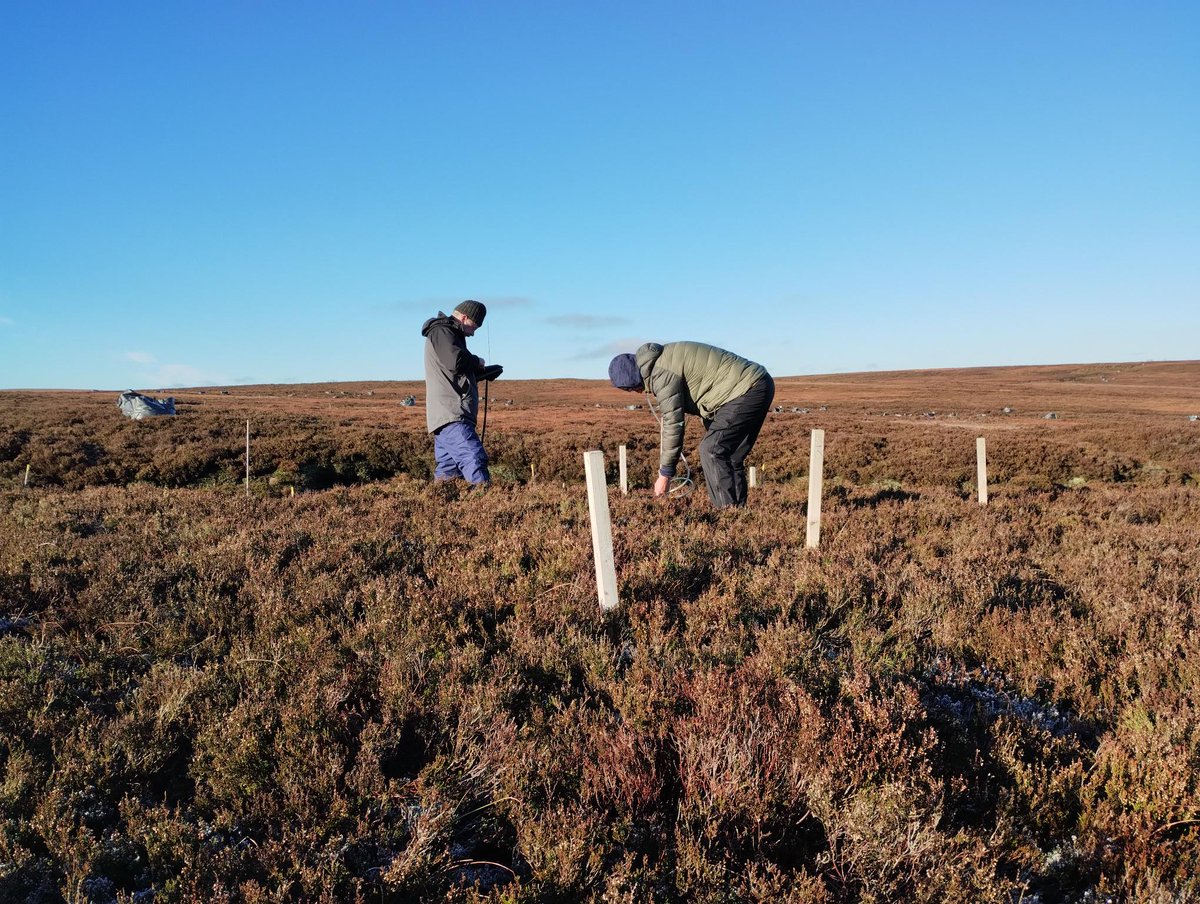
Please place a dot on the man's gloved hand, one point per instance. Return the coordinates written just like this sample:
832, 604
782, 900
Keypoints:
491, 372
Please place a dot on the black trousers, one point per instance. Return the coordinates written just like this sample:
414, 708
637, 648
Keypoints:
729, 436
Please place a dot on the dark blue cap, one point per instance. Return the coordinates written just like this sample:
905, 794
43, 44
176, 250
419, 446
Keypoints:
624, 373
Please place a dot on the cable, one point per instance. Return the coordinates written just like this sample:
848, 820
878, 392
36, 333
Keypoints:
486, 384
680, 486
483, 432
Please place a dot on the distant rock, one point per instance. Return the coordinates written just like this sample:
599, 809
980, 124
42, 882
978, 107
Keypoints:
1007, 410
1052, 416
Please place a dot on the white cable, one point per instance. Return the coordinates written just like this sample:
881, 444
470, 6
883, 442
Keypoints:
680, 486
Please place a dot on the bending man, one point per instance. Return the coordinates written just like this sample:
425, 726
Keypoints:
452, 394
729, 394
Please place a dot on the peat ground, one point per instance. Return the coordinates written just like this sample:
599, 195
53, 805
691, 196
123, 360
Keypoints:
381, 689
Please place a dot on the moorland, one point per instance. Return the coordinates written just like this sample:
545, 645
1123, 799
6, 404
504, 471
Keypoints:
352, 684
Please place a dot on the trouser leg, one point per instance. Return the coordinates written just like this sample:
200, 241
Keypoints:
475, 460
446, 465
731, 435
465, 450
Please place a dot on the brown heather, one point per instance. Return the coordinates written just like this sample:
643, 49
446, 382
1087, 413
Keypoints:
385, 690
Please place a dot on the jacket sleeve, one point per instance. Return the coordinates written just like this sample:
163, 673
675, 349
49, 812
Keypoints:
670, 391
453, 356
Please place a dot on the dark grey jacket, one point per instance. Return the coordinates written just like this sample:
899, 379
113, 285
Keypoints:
451, 385
691, 378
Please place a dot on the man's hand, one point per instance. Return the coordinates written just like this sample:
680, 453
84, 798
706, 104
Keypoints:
662, 485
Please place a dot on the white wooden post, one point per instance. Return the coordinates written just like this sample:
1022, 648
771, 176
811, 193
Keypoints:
753, 477
624, 470
602, 551
981, 458
816, 466
247, 459
27, 475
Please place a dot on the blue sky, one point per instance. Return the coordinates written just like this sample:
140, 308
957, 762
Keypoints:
199, 193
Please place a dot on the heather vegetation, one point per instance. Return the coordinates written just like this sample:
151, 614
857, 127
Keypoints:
382, 689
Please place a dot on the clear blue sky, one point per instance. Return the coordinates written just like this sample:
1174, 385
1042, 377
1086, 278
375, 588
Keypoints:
213, 192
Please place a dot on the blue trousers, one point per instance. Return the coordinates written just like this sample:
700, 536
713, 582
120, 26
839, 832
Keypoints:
459, 453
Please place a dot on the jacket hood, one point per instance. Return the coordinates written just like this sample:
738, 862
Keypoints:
647, 356
440, 319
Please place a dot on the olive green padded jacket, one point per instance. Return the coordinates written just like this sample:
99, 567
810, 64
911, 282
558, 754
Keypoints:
691, 378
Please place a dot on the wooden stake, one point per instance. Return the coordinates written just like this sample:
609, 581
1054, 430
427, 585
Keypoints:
981, 465
247, 459
816, 466
753, 477
624, 470
602, 551
27, 475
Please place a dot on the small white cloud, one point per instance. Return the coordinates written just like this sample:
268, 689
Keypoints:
177, 375
616, 347
173, 376
586, 321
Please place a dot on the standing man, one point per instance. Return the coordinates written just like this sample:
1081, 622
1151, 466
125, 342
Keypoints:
729, 394
452, 394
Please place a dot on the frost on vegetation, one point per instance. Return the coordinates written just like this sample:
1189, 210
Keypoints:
14, 625
989, 694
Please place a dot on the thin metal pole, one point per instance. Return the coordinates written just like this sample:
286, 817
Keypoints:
247, 458
483, 432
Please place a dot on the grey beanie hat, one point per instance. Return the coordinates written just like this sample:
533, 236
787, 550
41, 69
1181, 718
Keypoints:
624, 373
472, 309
